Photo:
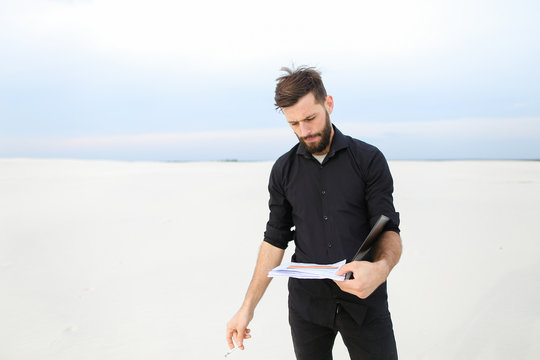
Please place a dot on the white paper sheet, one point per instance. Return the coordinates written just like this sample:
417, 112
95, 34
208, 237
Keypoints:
308, 271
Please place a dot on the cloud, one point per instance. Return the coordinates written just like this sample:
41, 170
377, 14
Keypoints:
469, 128
260, 144
238, 32
103, 66
185, 140
266, 144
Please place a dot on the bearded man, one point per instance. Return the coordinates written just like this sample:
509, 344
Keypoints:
331, 189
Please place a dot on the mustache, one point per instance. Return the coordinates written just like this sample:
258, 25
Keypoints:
312, 135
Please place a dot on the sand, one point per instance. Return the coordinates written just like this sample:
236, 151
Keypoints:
149, 260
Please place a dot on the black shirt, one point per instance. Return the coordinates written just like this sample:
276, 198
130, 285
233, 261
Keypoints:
328, 209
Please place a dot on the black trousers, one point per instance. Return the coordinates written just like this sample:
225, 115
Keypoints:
371, 340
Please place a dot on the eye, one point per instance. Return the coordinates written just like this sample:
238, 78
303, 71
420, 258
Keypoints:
294, 123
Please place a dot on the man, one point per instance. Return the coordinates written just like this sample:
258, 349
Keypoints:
331, 189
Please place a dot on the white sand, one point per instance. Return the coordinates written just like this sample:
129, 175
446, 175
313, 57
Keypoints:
116, 260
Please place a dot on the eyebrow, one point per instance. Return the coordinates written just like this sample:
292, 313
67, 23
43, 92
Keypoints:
307, 117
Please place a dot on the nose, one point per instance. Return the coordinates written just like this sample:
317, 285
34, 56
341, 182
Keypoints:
304, 128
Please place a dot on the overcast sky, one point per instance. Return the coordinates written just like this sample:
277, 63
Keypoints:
175, 80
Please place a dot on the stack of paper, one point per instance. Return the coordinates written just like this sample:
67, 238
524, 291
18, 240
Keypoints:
308, 271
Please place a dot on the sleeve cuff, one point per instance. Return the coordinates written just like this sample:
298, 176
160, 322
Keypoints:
279, 244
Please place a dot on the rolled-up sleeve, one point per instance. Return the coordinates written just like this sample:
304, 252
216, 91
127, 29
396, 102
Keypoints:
378, 194
278, 228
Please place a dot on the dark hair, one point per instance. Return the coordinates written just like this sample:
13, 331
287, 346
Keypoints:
297, 83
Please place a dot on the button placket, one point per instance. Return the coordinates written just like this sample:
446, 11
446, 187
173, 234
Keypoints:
325, 209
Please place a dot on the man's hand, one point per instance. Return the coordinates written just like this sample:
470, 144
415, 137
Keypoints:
237, 328
269, 257
367, 277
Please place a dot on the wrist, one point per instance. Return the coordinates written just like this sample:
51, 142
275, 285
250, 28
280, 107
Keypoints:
248, 307
384, 267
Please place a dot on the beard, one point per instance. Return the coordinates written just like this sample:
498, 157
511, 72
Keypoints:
325, 138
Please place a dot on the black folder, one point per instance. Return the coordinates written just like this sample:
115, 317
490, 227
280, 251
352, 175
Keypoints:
372, 237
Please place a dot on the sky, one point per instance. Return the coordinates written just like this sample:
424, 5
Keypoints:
188, 81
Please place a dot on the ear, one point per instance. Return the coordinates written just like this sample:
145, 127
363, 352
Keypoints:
329, 104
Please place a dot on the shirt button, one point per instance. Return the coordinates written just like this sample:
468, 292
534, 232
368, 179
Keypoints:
323, 192
329, 245
325, 217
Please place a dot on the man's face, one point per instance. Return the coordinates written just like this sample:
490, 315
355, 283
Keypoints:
310, 122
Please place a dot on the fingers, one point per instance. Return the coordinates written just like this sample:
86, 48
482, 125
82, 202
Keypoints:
343, 284
237, 330
239, 337
230, 334
338, 283
345, 269
349, 286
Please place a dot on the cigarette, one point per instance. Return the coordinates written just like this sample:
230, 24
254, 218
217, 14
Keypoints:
231, 351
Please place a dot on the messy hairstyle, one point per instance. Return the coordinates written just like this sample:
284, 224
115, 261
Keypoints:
297, 83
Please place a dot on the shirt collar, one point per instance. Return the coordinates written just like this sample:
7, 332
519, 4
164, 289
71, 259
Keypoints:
339, 141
